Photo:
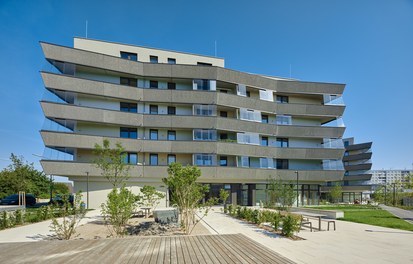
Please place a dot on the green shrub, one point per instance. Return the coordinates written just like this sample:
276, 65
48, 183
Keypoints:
238, 212
291, 224
256, 217
18, 217
230, 208
4, 221
275, 220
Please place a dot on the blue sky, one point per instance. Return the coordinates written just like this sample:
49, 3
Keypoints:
367, 45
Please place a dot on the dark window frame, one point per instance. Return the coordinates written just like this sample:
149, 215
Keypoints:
171, 133
171, 110
263, 118
128, 107
153, 84
171, 86
150, 159
266, 140
129, 55
153, 107
128, 131
171, 156
153, 59
150, 134
133, 82
171, 61
223, 158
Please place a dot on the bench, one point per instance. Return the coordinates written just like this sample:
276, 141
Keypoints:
331, 222
305, 222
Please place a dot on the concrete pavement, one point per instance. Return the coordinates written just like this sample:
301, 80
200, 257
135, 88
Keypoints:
39, 231
400, 213
351, 243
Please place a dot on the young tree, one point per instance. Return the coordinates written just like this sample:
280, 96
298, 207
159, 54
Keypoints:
65, 227
280, 193
336, 193
60, 188
111, 162
187, 194
118, 209
150, 196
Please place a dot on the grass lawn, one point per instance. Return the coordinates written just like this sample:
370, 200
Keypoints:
368, 214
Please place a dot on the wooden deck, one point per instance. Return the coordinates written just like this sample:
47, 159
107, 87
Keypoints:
234, 248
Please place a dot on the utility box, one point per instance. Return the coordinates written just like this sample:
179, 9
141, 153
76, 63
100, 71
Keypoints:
166, 215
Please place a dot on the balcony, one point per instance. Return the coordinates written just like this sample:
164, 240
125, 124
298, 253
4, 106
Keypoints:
76, 170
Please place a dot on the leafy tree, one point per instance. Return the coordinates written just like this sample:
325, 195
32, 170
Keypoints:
60, 188
150, 196
111, 162
65, 227
336, 193
187, 194
118, 209
22, 176
280, 193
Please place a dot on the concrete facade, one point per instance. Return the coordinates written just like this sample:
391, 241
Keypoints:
239, 128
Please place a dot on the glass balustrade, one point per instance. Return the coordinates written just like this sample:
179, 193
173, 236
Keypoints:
267, 95
204, 110
333, 99
250, 115
248, 138
333, 165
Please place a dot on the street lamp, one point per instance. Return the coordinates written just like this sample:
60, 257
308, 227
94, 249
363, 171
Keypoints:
87, 190
296, 172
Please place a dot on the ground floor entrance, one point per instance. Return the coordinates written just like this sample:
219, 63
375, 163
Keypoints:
256, 194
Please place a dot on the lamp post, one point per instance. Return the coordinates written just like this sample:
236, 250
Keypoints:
296, 172
87, 190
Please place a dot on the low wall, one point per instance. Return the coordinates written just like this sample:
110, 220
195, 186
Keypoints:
333, 214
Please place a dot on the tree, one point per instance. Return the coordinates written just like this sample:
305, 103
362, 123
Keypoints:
22, 176
111, 162
280, 193
150, 196
118, 209
336, 193
60, 188
187, 194
65, 227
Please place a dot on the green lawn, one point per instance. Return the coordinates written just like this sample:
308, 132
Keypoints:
367, 214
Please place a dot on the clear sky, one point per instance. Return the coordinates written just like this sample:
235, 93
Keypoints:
367, 45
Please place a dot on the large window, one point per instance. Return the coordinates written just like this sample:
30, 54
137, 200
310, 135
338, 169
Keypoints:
264, 141
283, 120
153, 84
204, 159
171, 158
171, 135
171, 110
282, 164
153, 109
282, 143
205, 110
171, 86
128, 132
153, 134
129, 55
223, 113
129, 81
223, 161
128, 107
205, 134
171, 61
264, 119
281, 99
201, 84
153, 159
153, 59
130, 158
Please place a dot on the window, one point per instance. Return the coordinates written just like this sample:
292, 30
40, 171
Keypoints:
171, 135
282, 143
205, 110
171, 86
205, 134
128, 132
129, 56
153, 159
264, 141
346, 143
130, 158
223, 136
282, 164
153, 109
283, 120
171, 158
204, 64
153, 134
171, 61
264, 119
204, 159
171, 110
223, 114
153, 84
346, 154
346, 163
128, 107
223, 161
346, 173
282, 99
201, 84
153, 59
248, 94
129, 81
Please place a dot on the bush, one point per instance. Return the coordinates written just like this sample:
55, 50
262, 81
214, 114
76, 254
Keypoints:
18, 217
291, 224
230, 208
4, 221
275, 220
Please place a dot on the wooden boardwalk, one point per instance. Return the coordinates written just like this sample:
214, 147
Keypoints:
235, 248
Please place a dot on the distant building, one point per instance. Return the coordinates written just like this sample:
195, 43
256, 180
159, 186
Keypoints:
357, 164
383, 177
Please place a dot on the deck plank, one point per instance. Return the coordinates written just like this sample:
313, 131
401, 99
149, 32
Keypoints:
234, 248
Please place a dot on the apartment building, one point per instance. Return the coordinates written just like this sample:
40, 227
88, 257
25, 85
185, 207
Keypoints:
385, 177
357, 164
166, 106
